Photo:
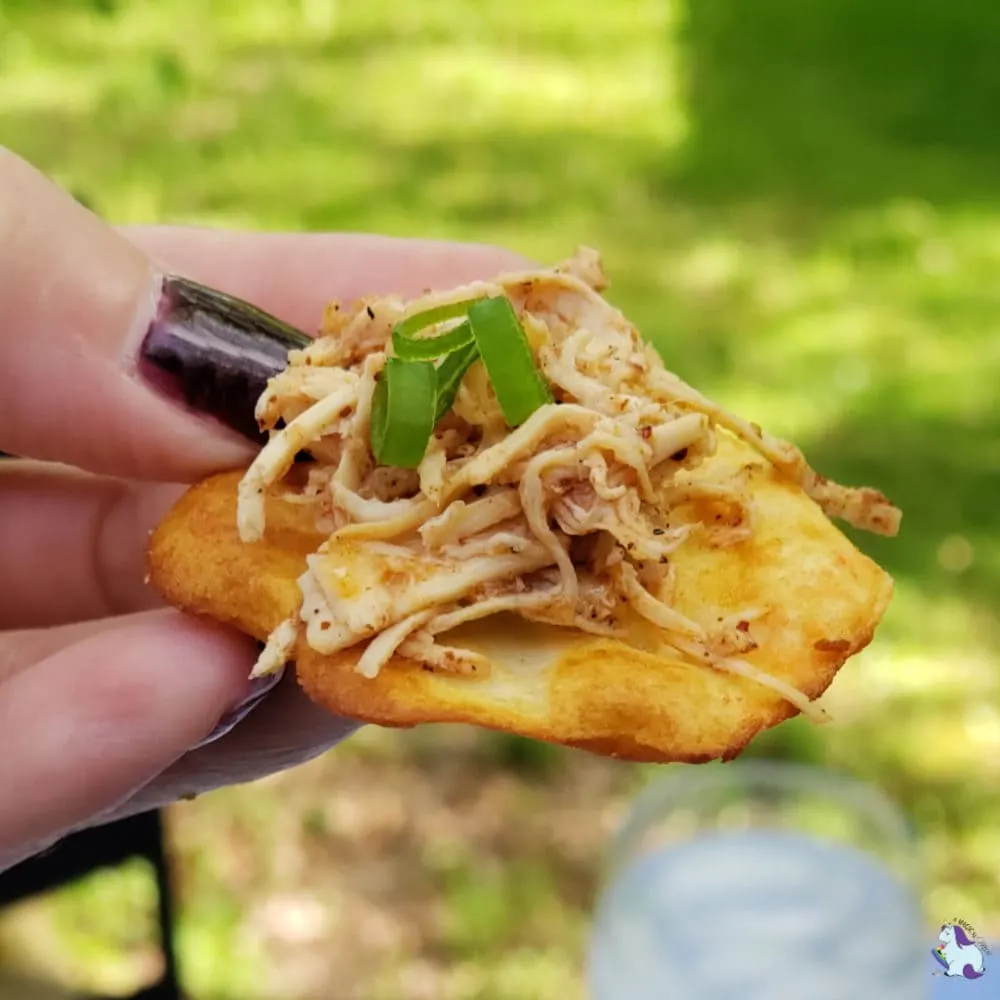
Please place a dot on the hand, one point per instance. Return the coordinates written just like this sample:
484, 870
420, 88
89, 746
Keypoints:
103, 691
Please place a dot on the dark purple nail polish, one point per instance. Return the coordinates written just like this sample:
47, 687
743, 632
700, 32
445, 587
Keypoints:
260, 688
215, 352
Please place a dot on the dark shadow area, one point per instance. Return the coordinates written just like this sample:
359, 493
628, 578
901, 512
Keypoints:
843, 102
23, 988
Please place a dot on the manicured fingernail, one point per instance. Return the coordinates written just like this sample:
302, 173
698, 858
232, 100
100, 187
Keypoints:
214, 352
260, 688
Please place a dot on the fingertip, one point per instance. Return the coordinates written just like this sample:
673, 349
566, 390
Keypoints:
76, 299
144, 692
197, 669
92, 723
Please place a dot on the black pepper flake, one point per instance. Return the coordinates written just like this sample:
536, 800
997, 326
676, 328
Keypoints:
370, 311
658, 531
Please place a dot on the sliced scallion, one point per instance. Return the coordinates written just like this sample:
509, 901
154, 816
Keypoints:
412, 394
510, 364
450, 373
408, 345
402, 416
430, 348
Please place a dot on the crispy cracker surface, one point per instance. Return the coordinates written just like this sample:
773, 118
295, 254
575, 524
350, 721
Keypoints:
825, 599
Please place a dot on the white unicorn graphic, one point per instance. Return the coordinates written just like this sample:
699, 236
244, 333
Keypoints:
958, 953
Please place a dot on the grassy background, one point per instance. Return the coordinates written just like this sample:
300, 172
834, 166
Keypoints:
800, 203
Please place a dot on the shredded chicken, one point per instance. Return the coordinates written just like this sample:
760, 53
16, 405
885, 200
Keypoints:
278, 649
381, 648
570, 518
461, 519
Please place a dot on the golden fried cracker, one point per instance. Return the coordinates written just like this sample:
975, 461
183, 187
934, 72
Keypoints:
824, 597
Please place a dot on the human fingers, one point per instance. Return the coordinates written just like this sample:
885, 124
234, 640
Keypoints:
20, 648
88, 725
76, 300
74, 543
110, 366
284, 730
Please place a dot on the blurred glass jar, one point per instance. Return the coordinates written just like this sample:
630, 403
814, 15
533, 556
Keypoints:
760, 881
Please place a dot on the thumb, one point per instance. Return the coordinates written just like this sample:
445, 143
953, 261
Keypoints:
97, 368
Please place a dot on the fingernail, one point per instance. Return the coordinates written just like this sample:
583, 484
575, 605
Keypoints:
215, 353
260, 688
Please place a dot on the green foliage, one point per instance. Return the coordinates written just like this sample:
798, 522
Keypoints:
531, 759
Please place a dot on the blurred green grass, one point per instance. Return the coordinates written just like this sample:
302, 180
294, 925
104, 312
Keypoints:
799, 204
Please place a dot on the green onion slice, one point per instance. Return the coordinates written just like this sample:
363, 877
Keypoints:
408, 345
430, 348
403, 408
450, 373
412, 394
510, 365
